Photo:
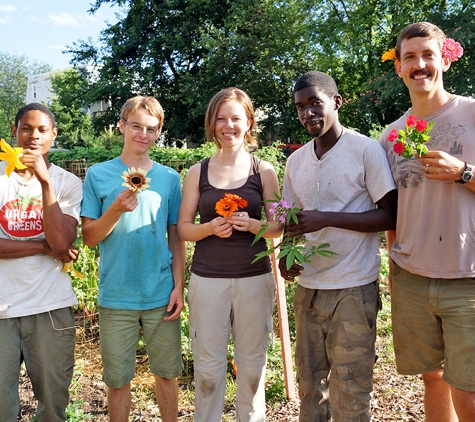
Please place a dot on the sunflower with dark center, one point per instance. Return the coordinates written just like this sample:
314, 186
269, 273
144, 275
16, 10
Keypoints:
135, 179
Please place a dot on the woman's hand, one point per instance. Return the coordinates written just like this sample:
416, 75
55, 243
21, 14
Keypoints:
221, 227
240, 221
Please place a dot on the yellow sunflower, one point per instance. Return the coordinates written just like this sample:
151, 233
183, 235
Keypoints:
11, 156
135, 180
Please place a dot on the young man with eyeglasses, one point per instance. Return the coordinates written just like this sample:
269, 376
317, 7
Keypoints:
142, 260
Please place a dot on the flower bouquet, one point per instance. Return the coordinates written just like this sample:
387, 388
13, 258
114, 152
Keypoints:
229, 204
292, 248
413, 139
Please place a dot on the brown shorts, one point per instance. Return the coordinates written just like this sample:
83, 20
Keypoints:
434, 326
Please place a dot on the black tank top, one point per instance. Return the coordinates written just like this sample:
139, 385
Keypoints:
215, 257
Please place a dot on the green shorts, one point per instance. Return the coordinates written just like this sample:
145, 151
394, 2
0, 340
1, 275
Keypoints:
434, 326
120, 333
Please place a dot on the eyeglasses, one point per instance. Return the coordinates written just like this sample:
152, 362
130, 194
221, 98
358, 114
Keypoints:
136, 128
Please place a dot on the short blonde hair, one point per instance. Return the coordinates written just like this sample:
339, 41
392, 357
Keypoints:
224, 96
150, 104
423, 30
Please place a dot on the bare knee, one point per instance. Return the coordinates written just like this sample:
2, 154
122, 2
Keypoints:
433, 378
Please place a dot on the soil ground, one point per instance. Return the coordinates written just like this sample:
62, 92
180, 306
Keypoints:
395, 398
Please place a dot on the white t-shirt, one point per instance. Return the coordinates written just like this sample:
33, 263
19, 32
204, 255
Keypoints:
33, 284
351, 177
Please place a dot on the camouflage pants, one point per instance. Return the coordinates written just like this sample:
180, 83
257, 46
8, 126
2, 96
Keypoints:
336, 333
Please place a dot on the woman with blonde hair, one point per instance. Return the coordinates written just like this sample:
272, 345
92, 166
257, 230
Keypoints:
227, 294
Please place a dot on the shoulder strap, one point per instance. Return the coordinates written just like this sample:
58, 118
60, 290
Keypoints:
204, 173
255, 163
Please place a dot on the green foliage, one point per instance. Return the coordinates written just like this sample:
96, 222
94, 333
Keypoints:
14, 72
184, 52
67, 104
74, 413
85, 278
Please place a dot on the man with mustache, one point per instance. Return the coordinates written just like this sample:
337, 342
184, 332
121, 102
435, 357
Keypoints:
433, 247
341, 180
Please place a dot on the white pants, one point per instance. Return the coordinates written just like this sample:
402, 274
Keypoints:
219, 306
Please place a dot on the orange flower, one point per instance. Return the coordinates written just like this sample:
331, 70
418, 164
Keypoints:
389, 55
229, 204
241, 203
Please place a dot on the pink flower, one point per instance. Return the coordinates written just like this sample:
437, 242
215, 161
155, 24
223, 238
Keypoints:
285, 205
273, 207
411, 121
452, 50
399, 147
421, 125
392, 135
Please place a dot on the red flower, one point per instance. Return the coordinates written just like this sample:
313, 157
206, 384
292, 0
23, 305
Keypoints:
392, 135
421, 125
411, 121
399, 147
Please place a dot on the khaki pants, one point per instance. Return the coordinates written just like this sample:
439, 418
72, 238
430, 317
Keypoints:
335, 352
45, 342
218, 307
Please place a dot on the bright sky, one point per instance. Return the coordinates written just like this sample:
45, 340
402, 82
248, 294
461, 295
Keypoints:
41, 30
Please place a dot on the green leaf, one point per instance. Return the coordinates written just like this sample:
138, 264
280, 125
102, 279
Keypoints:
289, 260
259, 234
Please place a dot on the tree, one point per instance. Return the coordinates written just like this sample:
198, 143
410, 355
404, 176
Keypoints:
355, 33
184, 51
68, 103
14, 72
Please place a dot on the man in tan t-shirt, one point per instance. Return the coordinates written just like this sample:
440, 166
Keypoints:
433, 247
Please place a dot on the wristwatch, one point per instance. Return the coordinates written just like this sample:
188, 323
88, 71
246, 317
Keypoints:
467, 174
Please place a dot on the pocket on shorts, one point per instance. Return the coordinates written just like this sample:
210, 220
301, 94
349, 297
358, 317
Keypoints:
396, 270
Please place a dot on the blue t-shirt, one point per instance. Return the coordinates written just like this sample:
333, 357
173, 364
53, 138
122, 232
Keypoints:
135, 266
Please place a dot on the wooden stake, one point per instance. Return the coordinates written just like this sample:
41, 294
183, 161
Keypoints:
283, 326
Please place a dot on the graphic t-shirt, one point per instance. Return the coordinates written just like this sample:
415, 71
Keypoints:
33, 284
435, 234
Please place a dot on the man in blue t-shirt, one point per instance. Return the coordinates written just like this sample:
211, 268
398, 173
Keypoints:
142, 260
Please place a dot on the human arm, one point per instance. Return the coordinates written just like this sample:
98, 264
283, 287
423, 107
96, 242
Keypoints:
444, 167
95, 231
187, 228
177, 247
270, 186
379, 219
60, 230
10, 249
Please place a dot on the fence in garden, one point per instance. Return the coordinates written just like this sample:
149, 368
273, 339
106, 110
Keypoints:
79, 167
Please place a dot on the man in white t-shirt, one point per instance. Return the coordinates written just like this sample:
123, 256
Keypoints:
342, 182
433, 247
39, 212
